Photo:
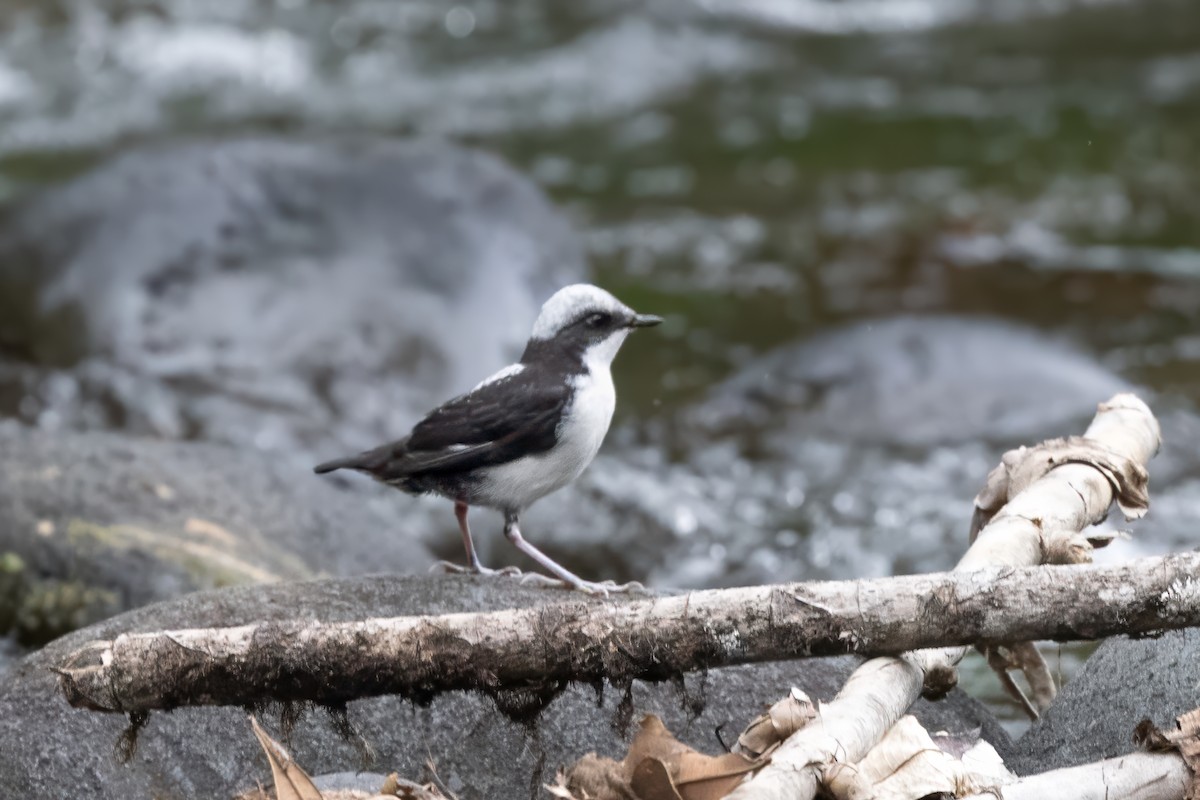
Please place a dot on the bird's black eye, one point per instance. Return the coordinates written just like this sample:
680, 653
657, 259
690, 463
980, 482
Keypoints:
599, 320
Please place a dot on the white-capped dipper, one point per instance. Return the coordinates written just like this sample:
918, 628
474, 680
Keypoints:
523, 433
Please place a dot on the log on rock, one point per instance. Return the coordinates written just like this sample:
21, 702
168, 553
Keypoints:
540, 649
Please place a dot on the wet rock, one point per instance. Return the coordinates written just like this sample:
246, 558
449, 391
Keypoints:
1124, 682
57, 751
289, 295
92, 524
916, 382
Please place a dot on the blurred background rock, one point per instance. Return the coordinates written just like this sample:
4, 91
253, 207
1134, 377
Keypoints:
890, 238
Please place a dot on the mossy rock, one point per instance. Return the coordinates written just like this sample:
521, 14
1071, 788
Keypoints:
93, 524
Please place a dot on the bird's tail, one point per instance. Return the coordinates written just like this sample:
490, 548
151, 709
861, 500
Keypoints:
371, 462
349, 462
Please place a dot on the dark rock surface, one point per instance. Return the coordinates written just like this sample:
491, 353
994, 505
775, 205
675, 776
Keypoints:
1124, 682
285, 294
55, 751
92, 524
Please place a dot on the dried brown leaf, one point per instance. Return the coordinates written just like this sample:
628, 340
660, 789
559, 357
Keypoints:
1184, 739
291, 782
258, 793
657, 767
660, 767
391, 784
1026, 657
593, 778
703, 777
1189, 726
766, 731
651, 780
653, 741
408, 790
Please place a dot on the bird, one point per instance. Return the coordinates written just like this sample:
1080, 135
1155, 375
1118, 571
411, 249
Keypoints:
524, 432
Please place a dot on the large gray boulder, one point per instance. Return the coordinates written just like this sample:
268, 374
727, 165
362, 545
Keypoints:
93, 524
291, 295
915, 382
1124, 682
54, 751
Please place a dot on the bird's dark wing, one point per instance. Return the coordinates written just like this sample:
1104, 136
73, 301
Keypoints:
498, 421
495, 423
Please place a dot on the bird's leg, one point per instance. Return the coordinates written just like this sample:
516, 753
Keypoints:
474, 565
564, 575
460, 513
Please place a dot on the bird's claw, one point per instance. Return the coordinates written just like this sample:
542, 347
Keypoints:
538, 579
475, 569
600, 589
603, 588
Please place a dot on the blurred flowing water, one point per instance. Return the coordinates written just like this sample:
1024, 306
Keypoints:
760, 169
761, 172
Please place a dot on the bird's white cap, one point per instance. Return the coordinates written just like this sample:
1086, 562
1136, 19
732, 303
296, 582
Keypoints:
572, 302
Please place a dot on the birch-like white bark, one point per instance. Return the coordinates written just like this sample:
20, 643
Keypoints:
1034, 527
1137, 776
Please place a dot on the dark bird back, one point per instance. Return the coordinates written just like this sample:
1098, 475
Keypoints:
497, 422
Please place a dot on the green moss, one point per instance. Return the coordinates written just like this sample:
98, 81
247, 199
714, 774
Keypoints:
39, 610
11, 564
205, 564
53, 608
12, 589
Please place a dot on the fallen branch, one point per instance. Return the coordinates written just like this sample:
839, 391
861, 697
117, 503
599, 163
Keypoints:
586, 641
1137, 776
1041, 521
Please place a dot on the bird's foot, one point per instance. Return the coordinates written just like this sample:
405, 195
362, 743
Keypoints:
545, 581
601, 589
473, 569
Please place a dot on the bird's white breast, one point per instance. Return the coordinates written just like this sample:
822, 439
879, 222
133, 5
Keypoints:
519, 483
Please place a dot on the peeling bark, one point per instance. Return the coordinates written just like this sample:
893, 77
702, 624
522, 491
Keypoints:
1039, 521
1137, 776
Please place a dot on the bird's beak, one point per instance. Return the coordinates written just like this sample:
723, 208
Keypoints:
644, 321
